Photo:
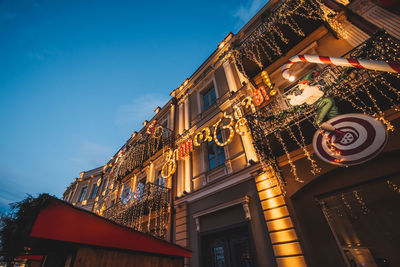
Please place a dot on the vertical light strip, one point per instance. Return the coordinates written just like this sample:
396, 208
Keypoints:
285, 243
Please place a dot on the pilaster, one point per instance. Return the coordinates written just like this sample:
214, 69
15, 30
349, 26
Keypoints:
285, 243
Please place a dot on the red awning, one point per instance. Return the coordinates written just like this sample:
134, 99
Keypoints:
63, 222
30, 257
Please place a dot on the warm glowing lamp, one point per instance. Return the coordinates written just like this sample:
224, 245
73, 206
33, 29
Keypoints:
291, 78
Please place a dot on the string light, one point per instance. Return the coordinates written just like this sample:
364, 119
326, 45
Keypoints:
366, 91
224, 127
314, 167
364, 208
247, 102
265, 41
199, 136
139, 213
393, 186
293, 169
185, 149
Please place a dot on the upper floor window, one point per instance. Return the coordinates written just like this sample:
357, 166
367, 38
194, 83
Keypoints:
83, 193
103, 187
142, 181
216, 154
209, 98
160, 179
94, 191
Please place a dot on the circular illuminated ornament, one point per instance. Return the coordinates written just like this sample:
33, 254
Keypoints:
126, 195
361, 139
138, 192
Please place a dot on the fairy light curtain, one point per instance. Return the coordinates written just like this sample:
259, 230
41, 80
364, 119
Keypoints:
148, 214
280, 128
282, 29
143, 148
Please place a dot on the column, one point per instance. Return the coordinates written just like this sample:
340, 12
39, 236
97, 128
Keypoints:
181, 228
285, 243
188, 175
180, 178
230, 78
133, 183
151, 174
171, 125
180, 119
249, 148
246, 139
186, 116
241, 76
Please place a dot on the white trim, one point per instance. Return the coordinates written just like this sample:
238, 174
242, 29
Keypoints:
244, 201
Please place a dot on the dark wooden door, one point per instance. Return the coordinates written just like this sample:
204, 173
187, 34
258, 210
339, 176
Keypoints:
229, 248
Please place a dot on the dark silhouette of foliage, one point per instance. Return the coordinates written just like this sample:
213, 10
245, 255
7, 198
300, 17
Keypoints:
16, 225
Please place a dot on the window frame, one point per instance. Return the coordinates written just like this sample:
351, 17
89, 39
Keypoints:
94, 190
206, 94
83, 193
219, 153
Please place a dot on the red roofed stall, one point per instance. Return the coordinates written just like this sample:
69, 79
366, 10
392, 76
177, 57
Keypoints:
69, 236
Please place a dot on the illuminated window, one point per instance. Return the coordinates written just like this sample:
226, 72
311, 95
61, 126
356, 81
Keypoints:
216, 154
209, 98
83, 193
94, 191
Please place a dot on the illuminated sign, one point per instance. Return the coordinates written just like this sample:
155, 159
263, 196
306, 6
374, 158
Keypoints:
234, 124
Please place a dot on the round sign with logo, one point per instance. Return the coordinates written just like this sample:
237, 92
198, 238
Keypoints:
357, 138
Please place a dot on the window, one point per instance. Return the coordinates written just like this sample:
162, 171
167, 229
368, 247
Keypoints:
83, 193
209, 98
142, 181
103, 187
160, 179
94, 191
216, 154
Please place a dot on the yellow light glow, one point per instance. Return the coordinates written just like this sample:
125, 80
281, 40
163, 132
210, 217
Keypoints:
228, 126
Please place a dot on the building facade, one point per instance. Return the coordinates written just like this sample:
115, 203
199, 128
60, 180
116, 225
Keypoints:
227, 167
83, 191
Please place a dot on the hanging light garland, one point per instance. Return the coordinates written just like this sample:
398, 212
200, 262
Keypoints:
269, 40
367, 91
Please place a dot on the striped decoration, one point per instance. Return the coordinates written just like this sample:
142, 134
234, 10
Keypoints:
339, 61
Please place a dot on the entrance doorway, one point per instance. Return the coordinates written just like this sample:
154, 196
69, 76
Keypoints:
227, 248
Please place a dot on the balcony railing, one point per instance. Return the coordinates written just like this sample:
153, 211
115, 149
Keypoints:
354, 90
144, 147
283, 27
146, 211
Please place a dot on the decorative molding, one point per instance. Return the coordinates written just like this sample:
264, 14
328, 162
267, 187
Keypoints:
197, 221
244, 201
221, 185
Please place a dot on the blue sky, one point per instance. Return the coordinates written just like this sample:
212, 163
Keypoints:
78, 77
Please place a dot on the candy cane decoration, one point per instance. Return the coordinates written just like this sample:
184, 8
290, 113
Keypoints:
340, 61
